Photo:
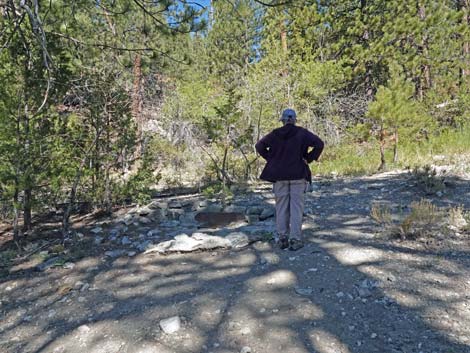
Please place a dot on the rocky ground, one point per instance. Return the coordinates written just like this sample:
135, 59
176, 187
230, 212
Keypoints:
123, 285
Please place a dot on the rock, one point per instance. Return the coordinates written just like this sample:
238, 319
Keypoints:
69, 265
254, 210
144, 211
187, 218
369, 284
98, 240
235, 209
153, 233
245, 331
252, 218
114, 253
158, 204
117, 230
96, 230
340, 294
239, 239
364, 292
170, 224
175, 204
246, 349
303, 291
212, 208
175, 213
267, 213
53, 261
125, 240
131, 253
145, 245
51, 313
218, 219
201, 241
127, 219
84, 329
144, 220
85, 287
170, 325
308, 211
78, 285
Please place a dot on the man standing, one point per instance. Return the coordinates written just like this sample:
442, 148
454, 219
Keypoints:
286, 150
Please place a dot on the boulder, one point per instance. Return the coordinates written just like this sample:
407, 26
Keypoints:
203, 241
267, 213
254, 210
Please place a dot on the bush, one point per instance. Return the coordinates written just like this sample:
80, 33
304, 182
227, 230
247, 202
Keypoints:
425, 220
215, 190
428, 179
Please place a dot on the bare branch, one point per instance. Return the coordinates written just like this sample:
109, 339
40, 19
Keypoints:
107, 46
274, 3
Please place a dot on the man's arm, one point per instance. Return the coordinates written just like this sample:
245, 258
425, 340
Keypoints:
317, 144
263, 146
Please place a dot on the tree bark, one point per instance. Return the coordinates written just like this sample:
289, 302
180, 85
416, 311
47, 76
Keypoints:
395, 146
424, 81
465, 70
383, 164
16, 233
137, 102
27, 197
73, 190
368, 81
27, 216
285, 69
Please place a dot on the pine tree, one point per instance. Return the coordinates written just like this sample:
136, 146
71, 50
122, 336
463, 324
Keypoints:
393, 109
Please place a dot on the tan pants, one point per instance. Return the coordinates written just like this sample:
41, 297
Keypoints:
290, 196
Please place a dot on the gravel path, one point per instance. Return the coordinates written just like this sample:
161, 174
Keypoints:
348, 290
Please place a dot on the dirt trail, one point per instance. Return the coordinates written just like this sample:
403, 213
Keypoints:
348, 290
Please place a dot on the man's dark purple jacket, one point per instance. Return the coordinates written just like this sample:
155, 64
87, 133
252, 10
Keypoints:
286, 149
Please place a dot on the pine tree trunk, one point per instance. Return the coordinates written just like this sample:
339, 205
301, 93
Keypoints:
383, 164
395, 146
16, 233
285, 70
27, 218
137, 100
425, 78
465, 70
368, 81
27, 199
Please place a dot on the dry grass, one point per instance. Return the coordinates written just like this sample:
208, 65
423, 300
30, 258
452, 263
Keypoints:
381, 213
458, 219
424, 220
428, 179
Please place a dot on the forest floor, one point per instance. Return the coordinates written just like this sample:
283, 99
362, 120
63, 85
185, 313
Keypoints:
352, 288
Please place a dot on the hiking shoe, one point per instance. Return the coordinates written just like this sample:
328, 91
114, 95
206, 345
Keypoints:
295, 244
283, 243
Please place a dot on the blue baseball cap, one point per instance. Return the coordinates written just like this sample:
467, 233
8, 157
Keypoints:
288, 114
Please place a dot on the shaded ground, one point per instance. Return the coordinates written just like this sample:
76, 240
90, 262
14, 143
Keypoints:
348, 290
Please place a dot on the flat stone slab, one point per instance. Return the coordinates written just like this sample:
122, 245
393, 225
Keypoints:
202, 241
218, 219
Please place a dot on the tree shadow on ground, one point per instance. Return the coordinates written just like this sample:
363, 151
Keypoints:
411, 302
